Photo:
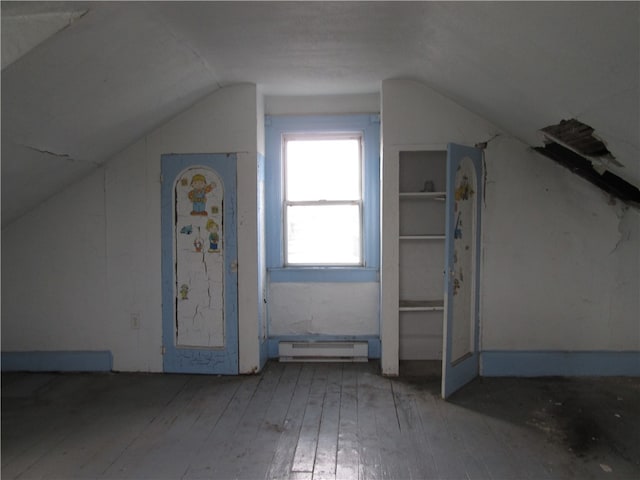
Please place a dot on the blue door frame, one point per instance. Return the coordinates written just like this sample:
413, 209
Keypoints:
222, 358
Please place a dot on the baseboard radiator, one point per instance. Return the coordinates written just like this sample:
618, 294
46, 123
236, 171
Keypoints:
323, 351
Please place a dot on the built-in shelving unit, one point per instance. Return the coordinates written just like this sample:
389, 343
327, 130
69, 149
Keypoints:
421, 237
421, 203
426, 195
421, 305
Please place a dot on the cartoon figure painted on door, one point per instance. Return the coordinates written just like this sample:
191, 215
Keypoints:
198, 193
463, 241
200, 316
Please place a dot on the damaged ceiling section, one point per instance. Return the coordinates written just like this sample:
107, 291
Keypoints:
574, 145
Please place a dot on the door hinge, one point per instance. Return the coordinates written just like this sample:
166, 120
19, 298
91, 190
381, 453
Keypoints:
163, 350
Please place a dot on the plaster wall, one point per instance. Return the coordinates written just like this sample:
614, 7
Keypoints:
322, 104
260, 225
54, 288
559, 260
77, 269
323, 308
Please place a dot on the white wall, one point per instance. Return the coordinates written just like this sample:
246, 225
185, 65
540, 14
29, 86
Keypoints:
559, 263
261, 218
323, 309
77, 268
322, 104
54, 288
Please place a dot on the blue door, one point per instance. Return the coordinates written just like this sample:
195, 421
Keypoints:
199, 264
460, 359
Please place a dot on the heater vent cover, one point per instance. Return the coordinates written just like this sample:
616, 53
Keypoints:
323, 351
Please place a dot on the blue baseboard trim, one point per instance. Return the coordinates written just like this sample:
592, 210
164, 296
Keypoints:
58, 361
374, 342
558, 363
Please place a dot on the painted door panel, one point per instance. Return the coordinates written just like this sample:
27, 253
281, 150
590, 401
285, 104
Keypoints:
460, 360
199, 257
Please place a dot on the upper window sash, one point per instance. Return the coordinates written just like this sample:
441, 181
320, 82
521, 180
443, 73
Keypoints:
328, 163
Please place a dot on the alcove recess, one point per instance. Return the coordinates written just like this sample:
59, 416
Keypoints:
421, 236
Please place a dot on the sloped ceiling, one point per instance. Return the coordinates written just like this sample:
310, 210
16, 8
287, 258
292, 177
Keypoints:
82, 80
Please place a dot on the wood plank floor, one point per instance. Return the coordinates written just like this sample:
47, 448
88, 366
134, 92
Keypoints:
316, 421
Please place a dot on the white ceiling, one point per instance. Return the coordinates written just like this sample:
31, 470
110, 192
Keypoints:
82, 80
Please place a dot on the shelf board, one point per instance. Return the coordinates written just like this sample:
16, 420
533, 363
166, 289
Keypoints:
422, 237
424, 195
421, 305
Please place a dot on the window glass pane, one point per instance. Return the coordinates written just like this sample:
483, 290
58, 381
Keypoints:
322, 169
323, 234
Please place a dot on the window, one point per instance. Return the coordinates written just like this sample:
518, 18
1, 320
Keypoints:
322, 190
322, 199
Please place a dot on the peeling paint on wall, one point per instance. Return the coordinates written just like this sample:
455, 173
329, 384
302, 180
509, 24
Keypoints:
625, 227
323, 309
199, 259
574, 145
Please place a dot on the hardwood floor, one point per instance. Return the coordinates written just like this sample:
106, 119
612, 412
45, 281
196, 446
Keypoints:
316, 421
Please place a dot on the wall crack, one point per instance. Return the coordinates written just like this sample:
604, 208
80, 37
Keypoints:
64, 156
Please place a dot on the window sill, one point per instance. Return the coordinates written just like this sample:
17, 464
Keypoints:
324, 274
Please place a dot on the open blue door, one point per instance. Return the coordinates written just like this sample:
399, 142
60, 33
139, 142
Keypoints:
460, 357
199, 264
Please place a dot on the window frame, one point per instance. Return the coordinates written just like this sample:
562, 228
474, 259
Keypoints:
368, 127
288, 136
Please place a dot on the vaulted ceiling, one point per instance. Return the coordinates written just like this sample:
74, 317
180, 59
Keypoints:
83, 80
